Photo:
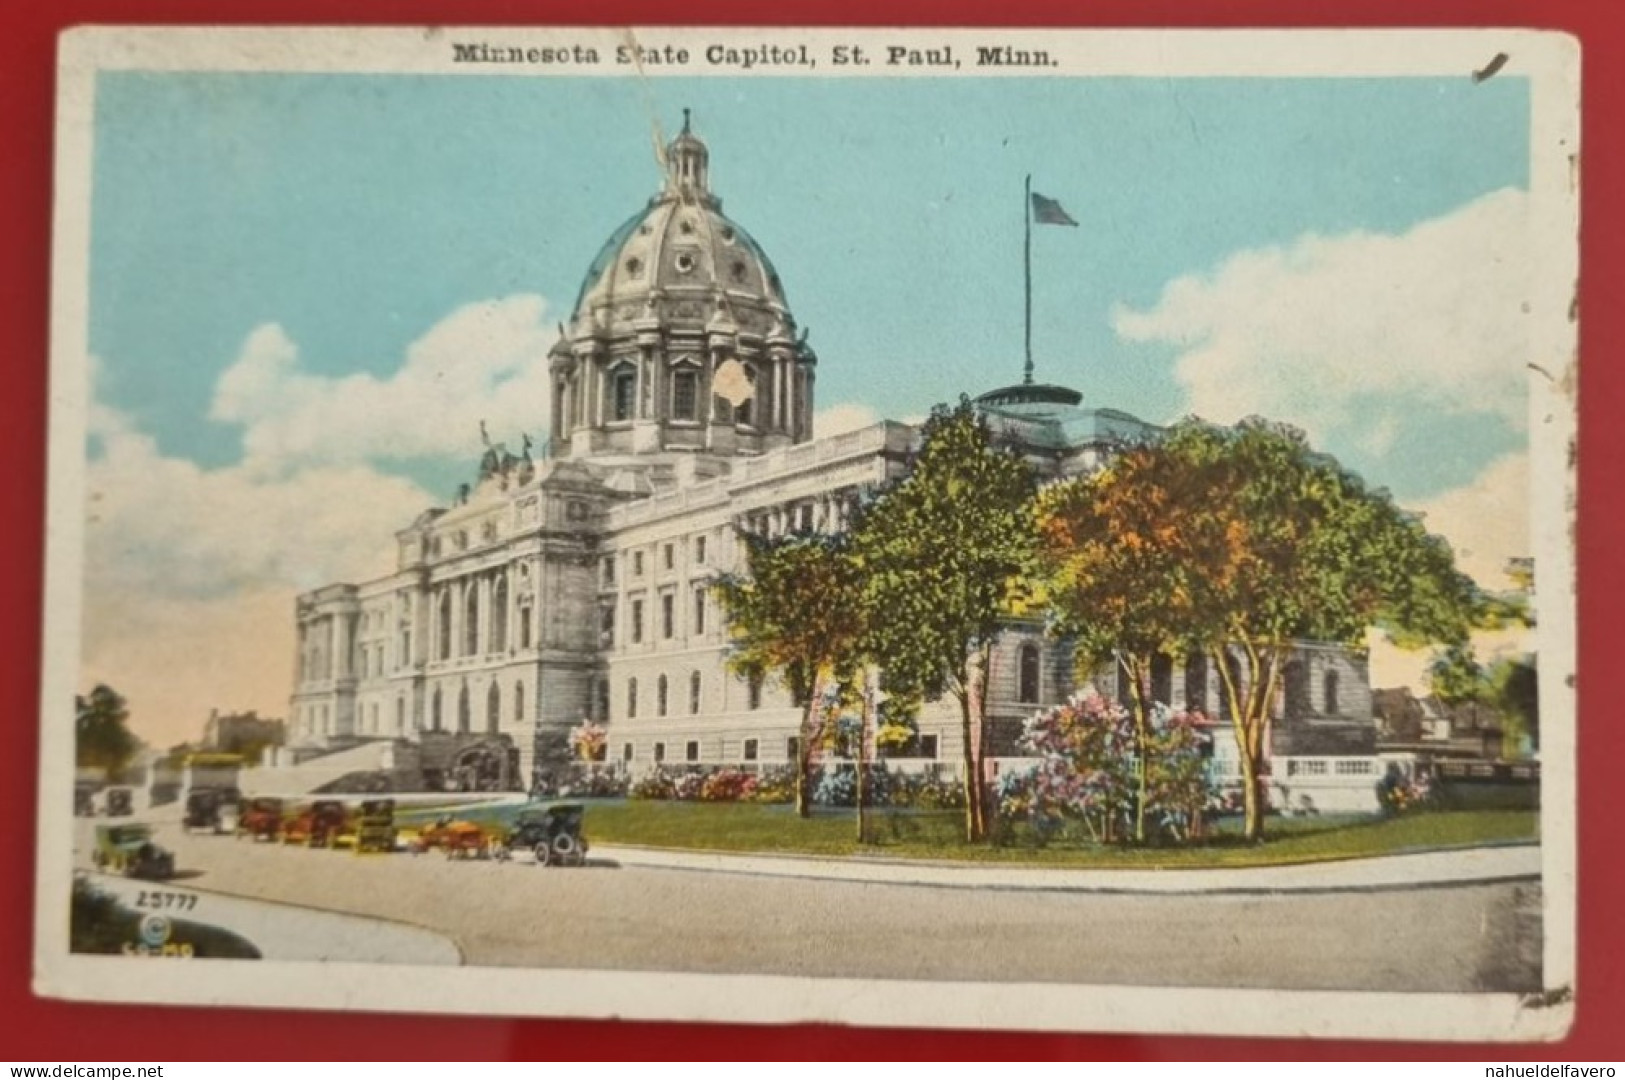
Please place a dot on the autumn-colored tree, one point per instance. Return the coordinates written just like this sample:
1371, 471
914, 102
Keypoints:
1116, 555
102, 736
1289, 546
943, 551
797, 611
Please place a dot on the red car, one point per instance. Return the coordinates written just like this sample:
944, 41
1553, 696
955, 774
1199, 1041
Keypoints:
458, 839
321, 824
261, 819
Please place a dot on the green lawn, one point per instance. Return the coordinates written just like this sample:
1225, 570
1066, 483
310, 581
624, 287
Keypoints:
743, 827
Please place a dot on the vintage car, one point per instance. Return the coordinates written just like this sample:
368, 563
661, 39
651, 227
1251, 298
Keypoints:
458, 839
375, 826
212, 808
129, 850
84, 800
261, 819
321, 824
552, 834
120, 802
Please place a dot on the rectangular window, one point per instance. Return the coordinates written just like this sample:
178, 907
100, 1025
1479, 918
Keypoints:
792, 747
626, 751
524, 627
626, 389
804, 517
692, 751
660, 752
750, 749
606, 624
637, 622
685, 396
668, 615
668, 555
699, 549
928, 746
609, 570
637, 564
699, 610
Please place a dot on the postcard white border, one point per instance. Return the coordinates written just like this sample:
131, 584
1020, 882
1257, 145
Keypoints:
1549, 60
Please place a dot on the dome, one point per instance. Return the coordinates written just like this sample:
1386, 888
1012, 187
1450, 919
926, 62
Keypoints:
680, 342
680, 259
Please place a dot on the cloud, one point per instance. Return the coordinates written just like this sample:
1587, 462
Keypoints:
485, 361
839, 419
1360, 334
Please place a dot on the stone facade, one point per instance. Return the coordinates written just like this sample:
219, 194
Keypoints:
578, 586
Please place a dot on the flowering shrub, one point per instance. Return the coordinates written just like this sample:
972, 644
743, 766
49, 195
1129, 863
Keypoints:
727, 785
775, 785
925, 791
837, 785
1397, 793
1088, 772
657, 784
585, 782
588, 740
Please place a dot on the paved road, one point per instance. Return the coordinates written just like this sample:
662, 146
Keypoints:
1450, 938
284, 932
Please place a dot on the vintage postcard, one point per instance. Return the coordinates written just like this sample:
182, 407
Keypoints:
1026, 529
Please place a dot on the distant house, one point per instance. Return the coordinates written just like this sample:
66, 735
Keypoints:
245, 733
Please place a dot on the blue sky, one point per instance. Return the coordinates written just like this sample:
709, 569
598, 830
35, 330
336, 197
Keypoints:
307, 292
355, 212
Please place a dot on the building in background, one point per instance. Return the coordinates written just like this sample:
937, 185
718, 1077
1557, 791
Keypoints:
576, 584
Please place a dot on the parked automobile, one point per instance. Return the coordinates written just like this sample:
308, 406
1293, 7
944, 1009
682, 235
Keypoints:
318, 825
375, 826
552, 834
212, 808
84, 800
261, 819
120, 802
458, 839
129, 850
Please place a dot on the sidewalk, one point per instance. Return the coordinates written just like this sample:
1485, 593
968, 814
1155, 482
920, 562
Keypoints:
1459, 867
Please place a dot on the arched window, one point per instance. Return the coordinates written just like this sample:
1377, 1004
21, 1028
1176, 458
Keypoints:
1329, 681
493, 709
754, 690
695, 686
519, 702
436, 713
471, 618
660, 696
464, 718
443, 646
499, 616
631, 699
623, 392
1027, 691
685, 394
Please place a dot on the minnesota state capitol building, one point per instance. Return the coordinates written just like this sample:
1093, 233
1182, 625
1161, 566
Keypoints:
575, 584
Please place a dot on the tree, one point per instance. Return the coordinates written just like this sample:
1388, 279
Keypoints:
797, 612
1114, 566
102, 737
1289, 546
942, 553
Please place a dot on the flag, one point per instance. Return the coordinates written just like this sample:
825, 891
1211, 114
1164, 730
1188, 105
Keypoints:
1047, 211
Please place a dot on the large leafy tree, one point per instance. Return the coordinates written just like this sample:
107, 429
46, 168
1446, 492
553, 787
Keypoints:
796, 611
1290, 546
102, 736
1116, 562
943, 553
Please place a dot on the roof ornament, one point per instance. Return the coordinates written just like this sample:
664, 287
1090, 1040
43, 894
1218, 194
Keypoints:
687, 127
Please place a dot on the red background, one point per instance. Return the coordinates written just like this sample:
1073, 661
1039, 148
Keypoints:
54, 1030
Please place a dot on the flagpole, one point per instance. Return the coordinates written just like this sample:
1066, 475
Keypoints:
1027, 277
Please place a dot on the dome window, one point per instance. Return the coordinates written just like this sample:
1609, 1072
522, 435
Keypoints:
625, 389
738, 270
686, 226
685, 395
685, 263
634, 266
727, 234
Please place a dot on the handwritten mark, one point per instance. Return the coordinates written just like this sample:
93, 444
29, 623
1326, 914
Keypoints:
1497, 62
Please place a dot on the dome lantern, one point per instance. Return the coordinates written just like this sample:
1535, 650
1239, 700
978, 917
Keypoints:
688, 165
